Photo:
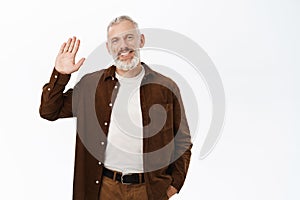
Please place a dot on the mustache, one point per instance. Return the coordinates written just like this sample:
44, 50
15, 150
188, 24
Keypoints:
125, 50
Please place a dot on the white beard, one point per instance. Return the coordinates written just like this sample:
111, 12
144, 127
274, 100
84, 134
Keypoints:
123, 65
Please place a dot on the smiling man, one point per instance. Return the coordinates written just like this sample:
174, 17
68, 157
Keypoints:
138, 145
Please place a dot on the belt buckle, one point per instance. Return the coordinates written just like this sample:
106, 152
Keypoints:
122, 179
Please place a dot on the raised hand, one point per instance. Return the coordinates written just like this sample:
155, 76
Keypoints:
65, 60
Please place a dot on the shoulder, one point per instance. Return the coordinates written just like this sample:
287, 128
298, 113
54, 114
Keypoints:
91, 78
158, 78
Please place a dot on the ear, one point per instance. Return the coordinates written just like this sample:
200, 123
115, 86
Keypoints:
108, 49
142, 41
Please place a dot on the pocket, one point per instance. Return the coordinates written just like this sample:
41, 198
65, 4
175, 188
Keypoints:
161, 118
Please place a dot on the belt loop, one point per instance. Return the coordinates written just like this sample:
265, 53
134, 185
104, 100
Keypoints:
114, 177
140, 178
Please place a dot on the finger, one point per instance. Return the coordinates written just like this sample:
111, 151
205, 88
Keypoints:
79, 63
67, 45
72, 44
75, 49
62, 48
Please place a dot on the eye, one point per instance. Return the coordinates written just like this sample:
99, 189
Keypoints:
114, 41
129, 37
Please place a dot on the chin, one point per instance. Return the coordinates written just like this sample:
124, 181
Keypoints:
128, 64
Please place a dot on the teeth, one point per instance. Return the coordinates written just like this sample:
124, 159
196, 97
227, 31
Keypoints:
125, 53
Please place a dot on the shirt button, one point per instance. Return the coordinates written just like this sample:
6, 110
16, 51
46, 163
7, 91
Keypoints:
49, 89
99, 163
97, 182
102, 143
116, 86
112, 78
105, 123
110, 104
55, 76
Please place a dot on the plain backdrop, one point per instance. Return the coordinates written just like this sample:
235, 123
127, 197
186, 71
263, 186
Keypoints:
254, 45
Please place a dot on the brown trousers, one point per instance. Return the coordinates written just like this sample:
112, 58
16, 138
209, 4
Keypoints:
114, 190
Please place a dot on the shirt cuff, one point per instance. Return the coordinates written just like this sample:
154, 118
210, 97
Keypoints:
58, 78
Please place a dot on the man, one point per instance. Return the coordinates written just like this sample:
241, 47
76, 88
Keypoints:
133, 140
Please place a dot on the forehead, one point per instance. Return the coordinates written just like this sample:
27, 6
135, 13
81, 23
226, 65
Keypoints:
122, 28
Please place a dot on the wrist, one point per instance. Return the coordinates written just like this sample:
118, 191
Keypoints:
59, 70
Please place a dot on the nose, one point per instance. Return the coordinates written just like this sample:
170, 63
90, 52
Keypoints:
123, 44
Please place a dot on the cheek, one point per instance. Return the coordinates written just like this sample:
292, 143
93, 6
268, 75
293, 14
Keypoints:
113, 51
134, 45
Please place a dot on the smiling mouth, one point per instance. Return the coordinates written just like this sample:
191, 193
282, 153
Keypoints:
126, 53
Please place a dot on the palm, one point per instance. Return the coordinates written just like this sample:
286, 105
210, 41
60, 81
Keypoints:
65, 60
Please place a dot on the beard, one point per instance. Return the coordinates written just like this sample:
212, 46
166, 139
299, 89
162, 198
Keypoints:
124, 65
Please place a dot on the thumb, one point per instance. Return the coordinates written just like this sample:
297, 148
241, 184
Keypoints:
79, 63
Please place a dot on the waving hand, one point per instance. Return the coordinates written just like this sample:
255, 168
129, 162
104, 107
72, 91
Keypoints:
65, 60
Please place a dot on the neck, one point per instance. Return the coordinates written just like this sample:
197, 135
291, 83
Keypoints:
130, 73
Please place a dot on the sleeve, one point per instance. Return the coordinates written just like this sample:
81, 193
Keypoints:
54, 102
182, 140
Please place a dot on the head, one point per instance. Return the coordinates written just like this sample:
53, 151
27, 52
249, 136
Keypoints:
123, 42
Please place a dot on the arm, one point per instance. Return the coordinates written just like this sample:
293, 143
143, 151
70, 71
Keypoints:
54, 102
183, 144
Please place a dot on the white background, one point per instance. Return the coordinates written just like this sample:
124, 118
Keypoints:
254, 45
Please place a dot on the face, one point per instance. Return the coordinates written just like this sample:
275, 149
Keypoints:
123, 44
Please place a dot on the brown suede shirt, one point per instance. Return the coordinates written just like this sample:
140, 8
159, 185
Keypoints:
166, 144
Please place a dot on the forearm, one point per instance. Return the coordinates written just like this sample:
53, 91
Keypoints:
180, 169
54, 102
182, 141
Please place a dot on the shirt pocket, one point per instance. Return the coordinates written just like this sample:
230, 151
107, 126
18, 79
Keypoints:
161, 115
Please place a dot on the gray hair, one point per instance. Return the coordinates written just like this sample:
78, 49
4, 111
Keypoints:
119, 19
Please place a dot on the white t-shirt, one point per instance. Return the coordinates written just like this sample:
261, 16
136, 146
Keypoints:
124, 151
